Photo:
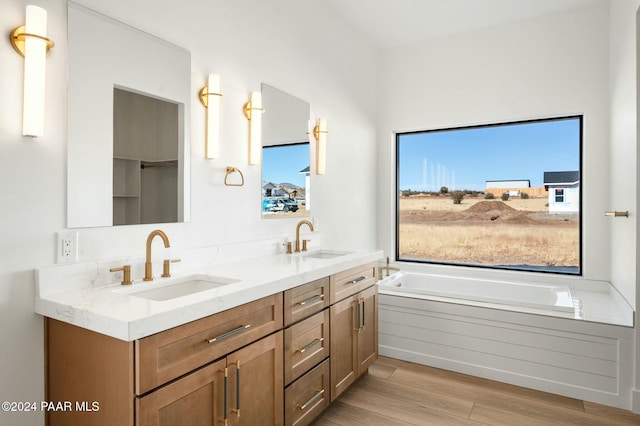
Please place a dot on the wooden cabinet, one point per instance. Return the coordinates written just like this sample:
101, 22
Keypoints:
306, 344
244, 388
176, 374
255, 383
306, 398
277, 360
164, 356
306, 351
305, 300
354, 334
351, 281
200, 395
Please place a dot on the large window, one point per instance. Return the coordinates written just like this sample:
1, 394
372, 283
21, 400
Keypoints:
503, 196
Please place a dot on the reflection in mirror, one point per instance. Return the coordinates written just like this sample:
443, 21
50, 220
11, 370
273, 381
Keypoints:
285, 177
129, 97
285, 155
145, 159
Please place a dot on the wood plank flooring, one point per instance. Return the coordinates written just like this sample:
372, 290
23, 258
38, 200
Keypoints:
396, 393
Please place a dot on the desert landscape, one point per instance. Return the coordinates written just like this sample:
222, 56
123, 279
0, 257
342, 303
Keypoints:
514, 233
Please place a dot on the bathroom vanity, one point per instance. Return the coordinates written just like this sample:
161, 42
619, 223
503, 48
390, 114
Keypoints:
276, 347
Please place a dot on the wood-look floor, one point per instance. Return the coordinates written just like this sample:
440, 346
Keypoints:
398, 393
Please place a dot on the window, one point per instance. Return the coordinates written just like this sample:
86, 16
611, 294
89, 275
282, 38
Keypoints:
503, 196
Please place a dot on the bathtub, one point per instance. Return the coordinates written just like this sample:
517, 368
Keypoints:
507, 294
541, 336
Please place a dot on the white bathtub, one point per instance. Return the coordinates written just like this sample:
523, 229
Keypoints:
545, 337
511, 294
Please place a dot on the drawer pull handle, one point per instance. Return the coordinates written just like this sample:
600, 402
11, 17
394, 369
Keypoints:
238, 389
310, 345
228, 333
357, 280
313, 399
313, 299
226, 398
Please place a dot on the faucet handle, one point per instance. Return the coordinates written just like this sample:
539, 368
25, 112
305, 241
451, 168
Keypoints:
166, 267
126, 279
304, 245
288, 246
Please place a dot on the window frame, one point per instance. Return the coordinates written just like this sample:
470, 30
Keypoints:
580, 269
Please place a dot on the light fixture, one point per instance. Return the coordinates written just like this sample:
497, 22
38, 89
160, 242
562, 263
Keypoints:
320, 133
253, 111
30, 40
210, 97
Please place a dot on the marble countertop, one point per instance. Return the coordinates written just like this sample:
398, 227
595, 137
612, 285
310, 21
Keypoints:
77, 294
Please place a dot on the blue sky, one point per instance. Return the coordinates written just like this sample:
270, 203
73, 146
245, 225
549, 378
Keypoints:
465, 158
283, 163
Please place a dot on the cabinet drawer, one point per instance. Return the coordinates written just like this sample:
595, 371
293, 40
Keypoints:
164, 356
305, 345
305, 300
306, 398
351, 281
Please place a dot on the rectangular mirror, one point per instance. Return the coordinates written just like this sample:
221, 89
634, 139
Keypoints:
128, 145
285, 155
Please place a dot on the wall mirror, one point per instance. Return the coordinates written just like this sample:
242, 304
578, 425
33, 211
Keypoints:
285, 155
128, 146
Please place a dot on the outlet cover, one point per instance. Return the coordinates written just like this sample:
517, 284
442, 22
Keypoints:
67, 247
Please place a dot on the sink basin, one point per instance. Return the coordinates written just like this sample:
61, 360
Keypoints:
325, 254
156, 290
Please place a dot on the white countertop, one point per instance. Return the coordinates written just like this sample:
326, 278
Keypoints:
75, 294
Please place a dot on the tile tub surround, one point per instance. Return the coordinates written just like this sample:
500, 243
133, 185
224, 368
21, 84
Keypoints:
83, 294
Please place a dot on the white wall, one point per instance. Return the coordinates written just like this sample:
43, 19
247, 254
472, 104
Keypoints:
548, 66
300, 47
623, 145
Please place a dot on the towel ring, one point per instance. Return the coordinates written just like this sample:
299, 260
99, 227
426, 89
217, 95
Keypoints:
231, 170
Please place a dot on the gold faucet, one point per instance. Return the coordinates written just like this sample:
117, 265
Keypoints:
148, 270
304, 244
386, 268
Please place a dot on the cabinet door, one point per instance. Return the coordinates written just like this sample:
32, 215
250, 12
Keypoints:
344, 345
196, 399
368, 332
256, 394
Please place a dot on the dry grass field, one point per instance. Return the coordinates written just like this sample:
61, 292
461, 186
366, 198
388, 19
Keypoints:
488, 232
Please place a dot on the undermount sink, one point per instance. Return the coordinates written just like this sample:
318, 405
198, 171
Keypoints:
325, 254
156, 290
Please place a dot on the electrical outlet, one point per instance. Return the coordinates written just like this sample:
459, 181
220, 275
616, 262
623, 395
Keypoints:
67, 247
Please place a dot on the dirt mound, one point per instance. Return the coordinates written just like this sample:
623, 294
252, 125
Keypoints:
489, 206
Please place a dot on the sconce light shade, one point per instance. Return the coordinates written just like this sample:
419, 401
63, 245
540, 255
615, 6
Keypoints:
253, 111
210, 98
320, 133
30, 40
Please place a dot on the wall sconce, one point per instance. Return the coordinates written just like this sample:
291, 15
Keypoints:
253, 111
30, 40
320, 133
210, 98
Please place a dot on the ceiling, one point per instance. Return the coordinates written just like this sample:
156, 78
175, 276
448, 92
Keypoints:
392, 23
